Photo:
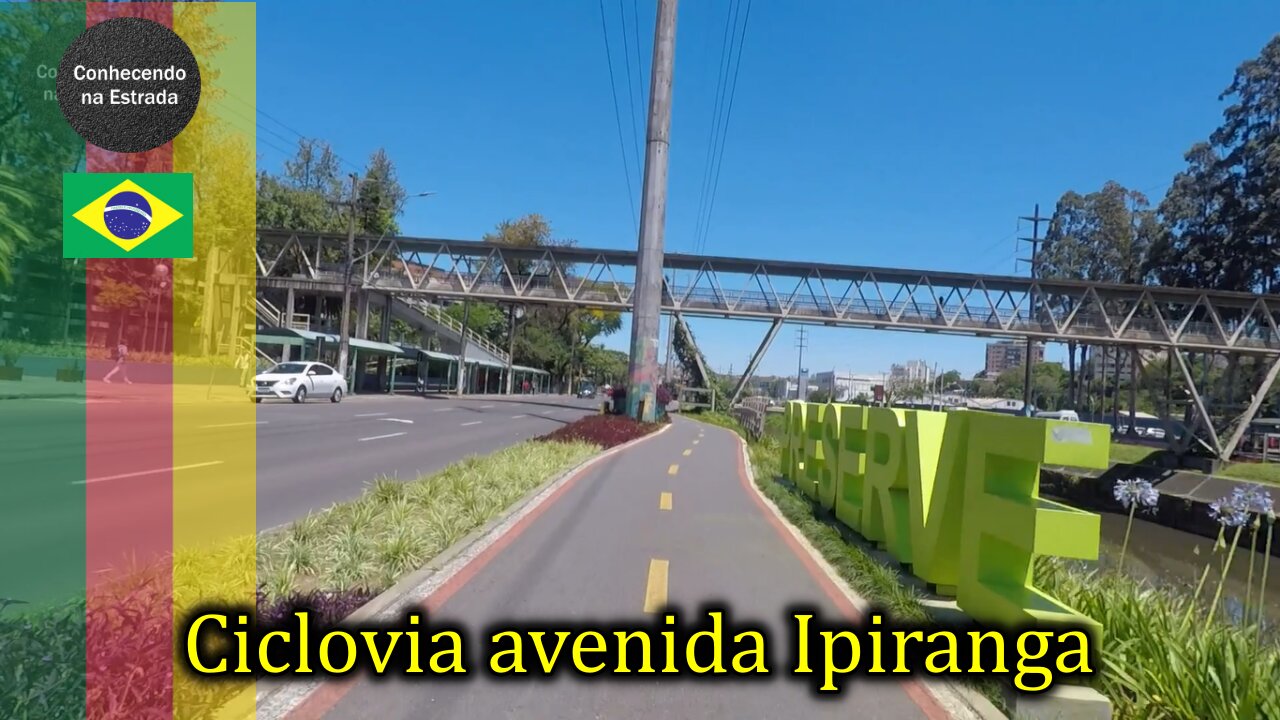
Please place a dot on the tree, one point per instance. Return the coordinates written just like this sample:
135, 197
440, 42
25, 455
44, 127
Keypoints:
484, 319
1048, 384
1104, 236
605, 366
119, 297
951, 379
820, 396
1221, 215
16, 232
380, 197
307, 194
553, 338
38, 146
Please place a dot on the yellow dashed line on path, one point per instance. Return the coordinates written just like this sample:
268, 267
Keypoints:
688, 452
664, 501
655, 591
673, 469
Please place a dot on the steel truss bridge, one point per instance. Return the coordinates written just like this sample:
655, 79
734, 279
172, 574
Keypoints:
1179, 321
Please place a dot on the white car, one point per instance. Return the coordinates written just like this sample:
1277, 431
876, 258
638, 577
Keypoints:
297, 381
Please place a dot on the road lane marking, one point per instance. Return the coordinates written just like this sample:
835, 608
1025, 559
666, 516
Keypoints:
442, 410
381, 437
235, 424
474, 422
655, 591
664, 501
485, 407
688, 452
369, 415
673, 469
142, 473
695, 442
517, 417
406, 422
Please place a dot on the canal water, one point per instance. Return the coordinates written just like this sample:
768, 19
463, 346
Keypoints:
1169, 557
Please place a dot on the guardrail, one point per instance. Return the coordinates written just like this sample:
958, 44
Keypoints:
751, 414
266, 311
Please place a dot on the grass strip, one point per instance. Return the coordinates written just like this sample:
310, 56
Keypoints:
395, 527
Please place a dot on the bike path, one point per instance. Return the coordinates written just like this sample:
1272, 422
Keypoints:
587, 558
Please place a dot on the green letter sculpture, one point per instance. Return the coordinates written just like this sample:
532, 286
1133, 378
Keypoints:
852, 466
936, 445
813, 455
830, 474
886, 509
793, 448
1006, 524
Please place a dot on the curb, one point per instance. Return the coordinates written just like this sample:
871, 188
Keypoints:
956, 700
282, 697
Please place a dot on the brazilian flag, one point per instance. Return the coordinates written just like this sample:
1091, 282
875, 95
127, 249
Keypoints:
122, 215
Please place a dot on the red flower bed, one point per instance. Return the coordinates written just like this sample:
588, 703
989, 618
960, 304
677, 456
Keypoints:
604, 430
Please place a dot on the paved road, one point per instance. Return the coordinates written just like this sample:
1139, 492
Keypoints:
308, 457
587, 557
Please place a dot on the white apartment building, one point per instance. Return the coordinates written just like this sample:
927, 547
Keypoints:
845, 386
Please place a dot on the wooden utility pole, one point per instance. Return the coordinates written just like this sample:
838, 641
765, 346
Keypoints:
646, 315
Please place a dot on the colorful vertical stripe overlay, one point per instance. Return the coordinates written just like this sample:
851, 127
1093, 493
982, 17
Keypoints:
127, 493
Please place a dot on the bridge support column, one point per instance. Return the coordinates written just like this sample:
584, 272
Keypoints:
287, 320
384, 335
1258, 398
755, 361
362, 315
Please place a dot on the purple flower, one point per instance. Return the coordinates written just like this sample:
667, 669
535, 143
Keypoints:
1136, 493
1229, 511
1253, 499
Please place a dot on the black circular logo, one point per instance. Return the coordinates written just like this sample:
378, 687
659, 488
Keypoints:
128, 85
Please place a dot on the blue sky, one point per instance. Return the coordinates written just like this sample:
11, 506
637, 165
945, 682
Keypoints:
909, 135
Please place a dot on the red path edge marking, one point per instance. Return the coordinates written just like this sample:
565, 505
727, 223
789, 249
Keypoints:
325, 697
923, 699
146, 536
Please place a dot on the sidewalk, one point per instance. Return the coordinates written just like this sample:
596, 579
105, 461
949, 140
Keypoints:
670, 520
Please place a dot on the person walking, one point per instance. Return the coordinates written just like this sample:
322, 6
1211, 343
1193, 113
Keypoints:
119, 355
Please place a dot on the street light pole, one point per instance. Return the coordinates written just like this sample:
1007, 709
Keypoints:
462, 348
646, 316
344, 330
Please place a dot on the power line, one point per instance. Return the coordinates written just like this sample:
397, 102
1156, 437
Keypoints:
640, 81
631, 92
714, 126
733, 89
282, 124
617, 116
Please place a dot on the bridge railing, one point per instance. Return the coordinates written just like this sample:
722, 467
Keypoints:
948, 316
1096, 313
